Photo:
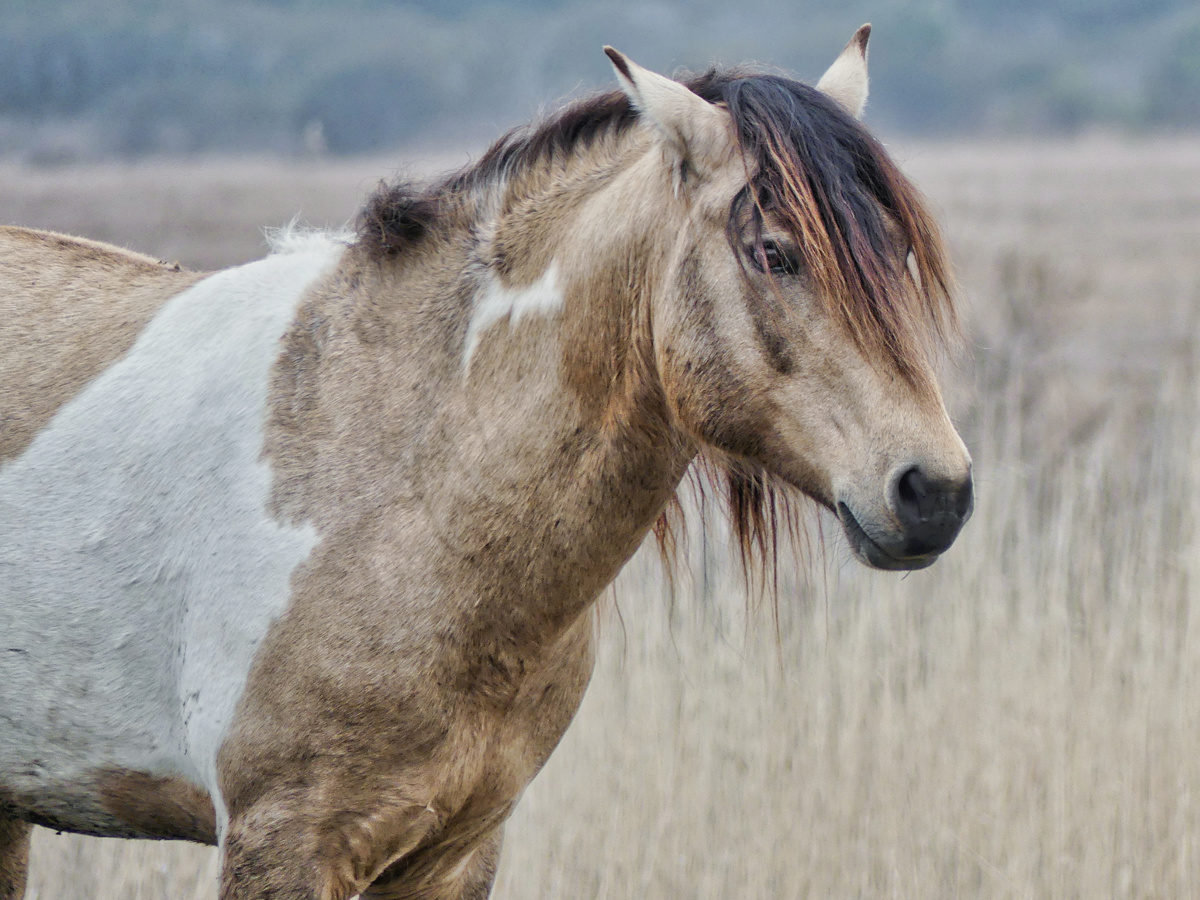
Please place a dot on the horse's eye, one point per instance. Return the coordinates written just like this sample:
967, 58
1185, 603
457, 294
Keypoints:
773, 258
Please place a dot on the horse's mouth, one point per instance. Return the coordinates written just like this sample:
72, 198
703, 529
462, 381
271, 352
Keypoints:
871, 553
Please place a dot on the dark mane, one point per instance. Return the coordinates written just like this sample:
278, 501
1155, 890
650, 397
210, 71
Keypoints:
818, 169
817, 172
400, 213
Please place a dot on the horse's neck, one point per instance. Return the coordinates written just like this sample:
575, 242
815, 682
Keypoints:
512, 416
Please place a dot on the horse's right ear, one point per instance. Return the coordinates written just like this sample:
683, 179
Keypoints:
692, 128
846, 80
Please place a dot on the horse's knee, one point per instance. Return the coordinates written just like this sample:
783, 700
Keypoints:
433, 874
292, 850
14, 857
479, 879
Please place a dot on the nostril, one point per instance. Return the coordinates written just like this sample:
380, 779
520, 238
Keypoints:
930, 511
911, 488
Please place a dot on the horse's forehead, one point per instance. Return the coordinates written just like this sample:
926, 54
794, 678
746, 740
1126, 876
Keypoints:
725, 184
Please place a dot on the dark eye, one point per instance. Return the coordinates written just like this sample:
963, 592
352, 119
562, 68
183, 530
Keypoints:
773, 258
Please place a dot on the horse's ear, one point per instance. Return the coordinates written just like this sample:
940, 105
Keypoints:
692, 128
846, 80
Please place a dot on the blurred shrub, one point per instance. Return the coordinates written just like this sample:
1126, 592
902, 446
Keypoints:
353, 76
371, 106
1174, 92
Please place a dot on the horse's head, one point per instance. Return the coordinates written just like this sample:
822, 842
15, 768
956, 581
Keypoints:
806, 294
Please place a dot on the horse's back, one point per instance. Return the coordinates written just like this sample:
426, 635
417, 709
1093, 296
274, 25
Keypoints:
69, 307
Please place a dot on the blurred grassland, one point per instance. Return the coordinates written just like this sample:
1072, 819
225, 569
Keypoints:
1021, 720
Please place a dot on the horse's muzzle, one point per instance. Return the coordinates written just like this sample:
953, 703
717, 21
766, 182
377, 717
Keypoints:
930, 512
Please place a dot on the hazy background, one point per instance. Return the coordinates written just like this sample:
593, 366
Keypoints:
83, 80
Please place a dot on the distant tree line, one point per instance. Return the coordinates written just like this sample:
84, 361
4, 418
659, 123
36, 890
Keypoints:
130, 77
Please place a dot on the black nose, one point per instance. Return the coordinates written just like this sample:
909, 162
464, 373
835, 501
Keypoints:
931, 510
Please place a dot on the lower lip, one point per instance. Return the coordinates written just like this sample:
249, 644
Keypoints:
880, 558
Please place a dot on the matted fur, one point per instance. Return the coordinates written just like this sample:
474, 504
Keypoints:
812, 166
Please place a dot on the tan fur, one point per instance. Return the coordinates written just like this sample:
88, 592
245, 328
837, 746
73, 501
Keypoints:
69, 307
14, 856
151, 806
442, 873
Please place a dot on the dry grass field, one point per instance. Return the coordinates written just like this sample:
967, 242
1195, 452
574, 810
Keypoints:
1021, 720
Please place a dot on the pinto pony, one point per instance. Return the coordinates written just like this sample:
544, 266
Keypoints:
297, 558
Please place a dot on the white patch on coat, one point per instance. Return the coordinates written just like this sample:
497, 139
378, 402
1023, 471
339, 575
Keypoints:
296, 238
139, 567
497, 302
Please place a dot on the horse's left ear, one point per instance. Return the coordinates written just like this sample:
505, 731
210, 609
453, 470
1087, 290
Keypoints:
846, 80
693, 129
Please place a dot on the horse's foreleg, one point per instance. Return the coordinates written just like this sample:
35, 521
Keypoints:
477, 880
431, 876
14, 857
295, 851
277, 857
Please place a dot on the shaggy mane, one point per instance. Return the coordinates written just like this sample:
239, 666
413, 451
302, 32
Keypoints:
816, 171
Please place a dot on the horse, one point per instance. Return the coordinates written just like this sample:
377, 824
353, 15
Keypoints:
298, 558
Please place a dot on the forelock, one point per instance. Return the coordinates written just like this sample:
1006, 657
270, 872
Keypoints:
821, 174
